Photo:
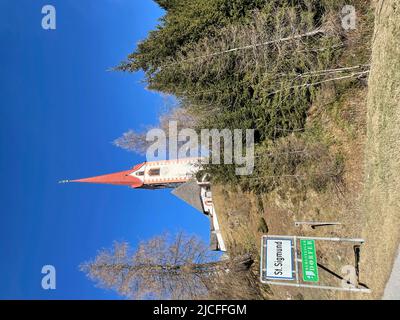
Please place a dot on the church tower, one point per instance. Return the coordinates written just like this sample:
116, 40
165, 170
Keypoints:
179, 174
151, 175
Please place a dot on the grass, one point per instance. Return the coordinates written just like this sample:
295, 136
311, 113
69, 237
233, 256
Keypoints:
381, 196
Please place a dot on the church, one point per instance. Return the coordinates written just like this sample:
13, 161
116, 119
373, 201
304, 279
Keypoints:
177, 174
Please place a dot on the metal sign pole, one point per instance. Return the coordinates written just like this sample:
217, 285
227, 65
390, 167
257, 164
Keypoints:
312, 265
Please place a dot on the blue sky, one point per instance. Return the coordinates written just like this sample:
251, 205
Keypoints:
60, 111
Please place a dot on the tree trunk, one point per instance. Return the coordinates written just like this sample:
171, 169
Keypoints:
239, 263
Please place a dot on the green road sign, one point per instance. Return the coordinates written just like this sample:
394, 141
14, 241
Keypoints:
309, 260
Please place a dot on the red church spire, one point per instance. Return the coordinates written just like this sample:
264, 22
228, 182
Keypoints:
150, 175
117, 178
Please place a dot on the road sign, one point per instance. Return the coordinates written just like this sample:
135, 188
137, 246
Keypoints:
309, 260
281, 262
279, 259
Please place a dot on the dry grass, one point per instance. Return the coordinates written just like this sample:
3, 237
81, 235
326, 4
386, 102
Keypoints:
382, 164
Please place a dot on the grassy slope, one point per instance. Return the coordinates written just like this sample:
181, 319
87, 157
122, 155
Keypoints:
382, 181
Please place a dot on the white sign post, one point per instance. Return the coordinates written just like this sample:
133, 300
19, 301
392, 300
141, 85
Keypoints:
280, 257
283, 264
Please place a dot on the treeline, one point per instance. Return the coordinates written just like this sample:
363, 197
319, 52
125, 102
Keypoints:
252, 64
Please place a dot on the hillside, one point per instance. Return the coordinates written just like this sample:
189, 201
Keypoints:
245, 216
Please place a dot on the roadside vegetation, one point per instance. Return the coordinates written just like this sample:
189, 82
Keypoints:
256, 65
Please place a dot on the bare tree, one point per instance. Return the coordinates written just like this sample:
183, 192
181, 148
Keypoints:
164, 267
132, 140
135, 141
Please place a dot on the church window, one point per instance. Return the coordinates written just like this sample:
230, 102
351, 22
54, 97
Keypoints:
154, 172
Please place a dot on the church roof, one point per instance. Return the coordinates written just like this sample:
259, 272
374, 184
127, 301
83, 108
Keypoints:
118, 178
190, 193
